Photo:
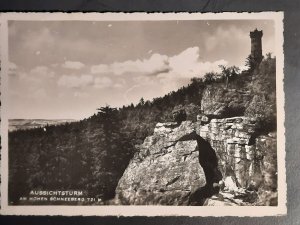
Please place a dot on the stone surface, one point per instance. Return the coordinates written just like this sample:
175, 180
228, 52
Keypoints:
249, 160
239, 197
165, 171
218, 101
231, 139
179, 165
230, 184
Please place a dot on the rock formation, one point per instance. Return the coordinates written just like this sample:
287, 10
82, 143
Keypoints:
184, 164
242, 155
217, 101
165, 170
232, 139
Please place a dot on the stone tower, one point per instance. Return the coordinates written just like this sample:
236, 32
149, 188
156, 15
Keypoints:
256, 47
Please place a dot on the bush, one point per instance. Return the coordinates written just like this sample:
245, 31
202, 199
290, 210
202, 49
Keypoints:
179, 114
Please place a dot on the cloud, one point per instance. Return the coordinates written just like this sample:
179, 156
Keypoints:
186, 64
102, 82
37, 75
158, 72
73, 65
155, 64
102, 68
42, 72
73, 81
86, 80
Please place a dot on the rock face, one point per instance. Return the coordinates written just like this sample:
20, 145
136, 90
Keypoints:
233, 141
166, 170
218, 101
181, 164
240, 152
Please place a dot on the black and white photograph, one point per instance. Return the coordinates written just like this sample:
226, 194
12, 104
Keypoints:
159, 114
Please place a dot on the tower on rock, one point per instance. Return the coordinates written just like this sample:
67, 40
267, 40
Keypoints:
256, 46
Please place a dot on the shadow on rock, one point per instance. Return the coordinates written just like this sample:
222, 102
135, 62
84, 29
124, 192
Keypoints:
199, 196
209, 162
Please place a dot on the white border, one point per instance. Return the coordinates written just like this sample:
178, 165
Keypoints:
239, 211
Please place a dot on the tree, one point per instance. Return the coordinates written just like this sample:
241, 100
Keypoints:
196, 80
209, 77
229, 72
105, 149
142, 102
250, 63
225, 73
264, 111
179, 114
269, 56
108, 118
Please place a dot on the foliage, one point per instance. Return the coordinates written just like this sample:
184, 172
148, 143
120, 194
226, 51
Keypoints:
263, 87
250, 63
209, 77
179, 114
229, 72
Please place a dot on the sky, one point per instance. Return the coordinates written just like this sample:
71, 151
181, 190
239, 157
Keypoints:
68, 69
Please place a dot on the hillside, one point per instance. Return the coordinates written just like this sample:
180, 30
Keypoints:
93, 154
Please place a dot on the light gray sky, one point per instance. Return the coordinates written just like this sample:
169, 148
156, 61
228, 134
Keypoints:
67, 69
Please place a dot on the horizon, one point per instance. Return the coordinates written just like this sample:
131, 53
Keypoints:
68, 69
41, 119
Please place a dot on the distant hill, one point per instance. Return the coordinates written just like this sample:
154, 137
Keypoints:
25, 124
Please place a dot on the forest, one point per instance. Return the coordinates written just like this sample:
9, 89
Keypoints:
92, 154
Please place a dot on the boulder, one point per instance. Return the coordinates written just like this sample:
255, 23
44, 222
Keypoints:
164, 172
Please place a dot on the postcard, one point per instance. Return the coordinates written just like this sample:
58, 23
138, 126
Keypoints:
142, 114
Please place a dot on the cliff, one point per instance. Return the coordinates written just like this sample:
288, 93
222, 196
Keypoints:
189, 163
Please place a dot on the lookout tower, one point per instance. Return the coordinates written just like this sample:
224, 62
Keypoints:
256, 47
